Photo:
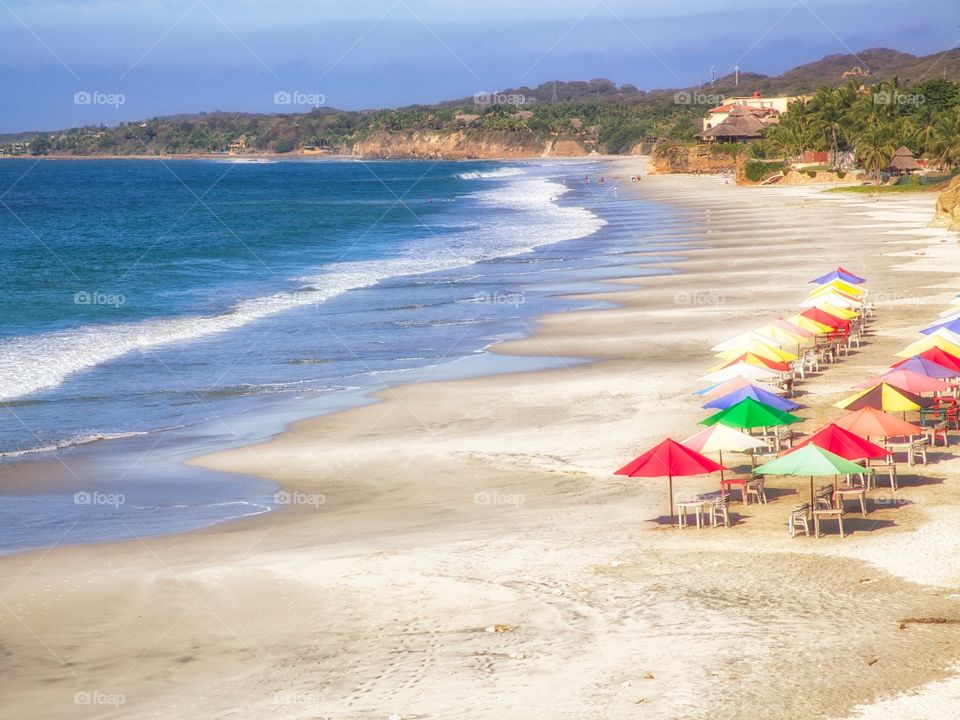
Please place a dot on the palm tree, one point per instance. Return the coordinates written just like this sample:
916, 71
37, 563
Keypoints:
945, 141
875, 147
830, 119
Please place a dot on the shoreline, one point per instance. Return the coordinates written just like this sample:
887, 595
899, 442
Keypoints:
403, 536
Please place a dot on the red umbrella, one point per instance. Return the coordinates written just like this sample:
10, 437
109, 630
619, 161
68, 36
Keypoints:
941, 357
670, 459
822, 316
844, 443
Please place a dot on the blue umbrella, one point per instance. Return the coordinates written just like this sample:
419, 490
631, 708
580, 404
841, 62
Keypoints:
926, 367
758, 394
838, 274
951, 325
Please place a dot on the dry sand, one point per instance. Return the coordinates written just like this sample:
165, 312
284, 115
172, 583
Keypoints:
474, 557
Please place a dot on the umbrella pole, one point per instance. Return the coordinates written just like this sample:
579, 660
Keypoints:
670, 480
812, 504
721, 468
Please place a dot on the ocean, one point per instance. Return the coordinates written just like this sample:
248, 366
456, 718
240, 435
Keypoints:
154, 310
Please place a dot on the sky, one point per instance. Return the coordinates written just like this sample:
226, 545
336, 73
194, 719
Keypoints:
65, 63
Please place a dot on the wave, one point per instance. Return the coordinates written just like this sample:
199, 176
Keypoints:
526, 216
74, 442
500, 172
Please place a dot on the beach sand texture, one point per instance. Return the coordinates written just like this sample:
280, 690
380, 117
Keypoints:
473, 556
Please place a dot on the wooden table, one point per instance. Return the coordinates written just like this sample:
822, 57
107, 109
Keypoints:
840, 493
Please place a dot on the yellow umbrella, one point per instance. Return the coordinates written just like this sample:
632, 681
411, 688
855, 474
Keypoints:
838, 311
748, 358
783, 335
884, 397
758, 348
838, 284
806, 323
928, 342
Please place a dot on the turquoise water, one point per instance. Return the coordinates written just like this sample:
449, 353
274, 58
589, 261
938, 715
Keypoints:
154, 309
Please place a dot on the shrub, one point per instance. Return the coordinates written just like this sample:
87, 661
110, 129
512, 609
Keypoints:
755, 171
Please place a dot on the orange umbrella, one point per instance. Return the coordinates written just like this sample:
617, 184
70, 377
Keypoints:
870, 422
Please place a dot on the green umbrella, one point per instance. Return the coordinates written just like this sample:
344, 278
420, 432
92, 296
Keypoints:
750, 413
809, 460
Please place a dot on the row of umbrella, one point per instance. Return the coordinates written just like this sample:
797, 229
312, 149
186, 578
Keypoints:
744, 399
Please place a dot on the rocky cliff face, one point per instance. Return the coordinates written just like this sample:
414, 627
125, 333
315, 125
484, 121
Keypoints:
690, 159
464, 145
947, 211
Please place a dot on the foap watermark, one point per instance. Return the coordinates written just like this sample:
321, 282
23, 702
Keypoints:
513, 299
296, 97
95, 97
699, 299
96, 498
687, 97
285, 497
890, 500
493, 498
83, 297
306, 699
96, 697
486, 99
898, 97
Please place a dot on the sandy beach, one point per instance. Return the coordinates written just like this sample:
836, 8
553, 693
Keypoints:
461, 549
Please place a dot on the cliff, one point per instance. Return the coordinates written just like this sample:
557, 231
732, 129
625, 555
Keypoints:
947, 211
694, 159
463, 145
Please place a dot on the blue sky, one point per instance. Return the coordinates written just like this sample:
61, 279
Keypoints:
142, 58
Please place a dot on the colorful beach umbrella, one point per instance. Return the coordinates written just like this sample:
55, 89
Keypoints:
758, 348
735, 383
749, 413
870, 422
825, 318
810, 460
946, 334
937, 355
719, 438
814, 326
793, 336
920, 365
745, 339
767, 398
831, 302
744, 370
927, 343
905, 379
669, 459
953, 325
884, 397
844, 443
840, 286
755, 360
839, 274
792, 328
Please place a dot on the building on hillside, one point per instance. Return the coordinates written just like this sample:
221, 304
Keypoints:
238, 145
740, 125
767, 109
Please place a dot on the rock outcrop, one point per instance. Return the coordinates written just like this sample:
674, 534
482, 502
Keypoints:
463, 145
947, 211
692, 159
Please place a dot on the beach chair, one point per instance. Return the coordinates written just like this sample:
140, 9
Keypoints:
755, 488
720, 509
823, 498
799, 519
799, 369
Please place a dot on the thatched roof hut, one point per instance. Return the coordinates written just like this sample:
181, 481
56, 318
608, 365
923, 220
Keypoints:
741, 125
903, 161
